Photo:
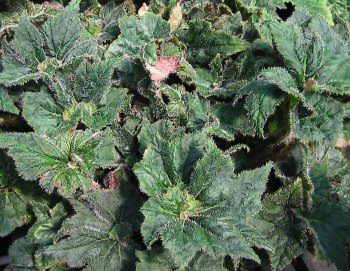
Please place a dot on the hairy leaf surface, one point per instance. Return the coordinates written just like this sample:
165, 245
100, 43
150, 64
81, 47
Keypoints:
67, 162
99, 233
192, 215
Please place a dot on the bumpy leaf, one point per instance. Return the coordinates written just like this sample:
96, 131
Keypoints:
99, 233
84, 96
159, 259
67, 162
35, 54
233, 119
314, 56
194, 215
203, 43
315, 6
262, 104
16, 71
323, 126
283, 79
61, 34
22, 252
286, 235
48, 222
13, 212
319, 7
6, 104
293, 49
156, 259
334, 54
26, 253
330, 222
28, 42
138, 36
328, 219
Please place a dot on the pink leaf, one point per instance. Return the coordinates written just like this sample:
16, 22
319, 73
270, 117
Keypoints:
112, 181
143, 9
163, 67
56, 6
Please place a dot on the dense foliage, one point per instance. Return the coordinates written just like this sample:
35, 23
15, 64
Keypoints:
175, 135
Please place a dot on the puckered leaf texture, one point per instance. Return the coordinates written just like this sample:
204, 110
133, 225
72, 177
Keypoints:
66, 162
190, 207
33, 54
98, 235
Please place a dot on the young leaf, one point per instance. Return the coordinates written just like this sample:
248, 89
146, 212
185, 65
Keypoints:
203, 43
67, 161
293, 50
327, 218
61, 32
286, 235
13, 212
262, 104
99, 233
28, 42
190, 216
6, 104
87, 98
324, 126
35, 53
138, 36
316, 6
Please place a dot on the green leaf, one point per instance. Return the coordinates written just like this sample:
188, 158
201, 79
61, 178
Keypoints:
166, 164
325, 125
84, 82
327, 218
286, 235
99, 233
61, 32
203, 44
21, 252
206, 83
233, 119
16, 71
13, 212
157, 259
283, 80
48, 222
28, 42
150, 133
193, 215
6, 104
331, 226
87, 98
138, 36
203, 262
317, 7
333, 53
35, 53
315, 54
292, 49
262, 104
26, 255
67, 162
21, 57
39, 108
110, 13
